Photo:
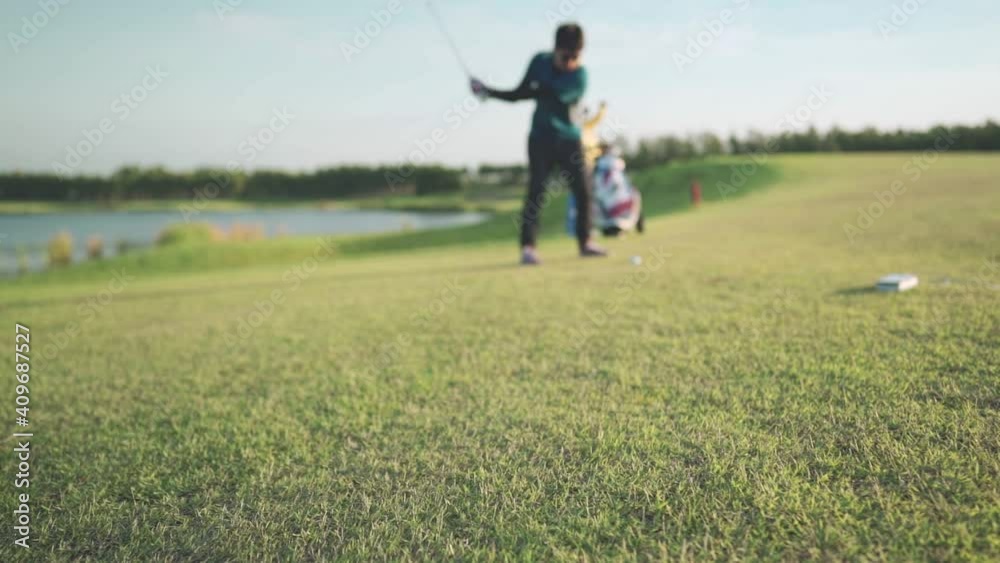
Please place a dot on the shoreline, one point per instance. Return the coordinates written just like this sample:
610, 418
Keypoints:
410, 204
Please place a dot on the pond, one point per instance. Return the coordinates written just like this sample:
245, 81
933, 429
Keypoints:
33, 232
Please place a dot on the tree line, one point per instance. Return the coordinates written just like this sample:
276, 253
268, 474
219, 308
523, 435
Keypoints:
135, 183
661, 150
668, 148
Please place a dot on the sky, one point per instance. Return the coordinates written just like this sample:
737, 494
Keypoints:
308, 84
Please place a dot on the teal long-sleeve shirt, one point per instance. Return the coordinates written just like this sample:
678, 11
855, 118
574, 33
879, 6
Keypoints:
557, 95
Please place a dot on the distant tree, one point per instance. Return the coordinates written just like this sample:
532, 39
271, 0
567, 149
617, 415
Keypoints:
124, 182
506, 174
735, 145
134, 182
709, 144
437, 180
756, 142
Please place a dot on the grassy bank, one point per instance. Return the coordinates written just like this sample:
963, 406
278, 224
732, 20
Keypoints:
665, 190
477, 198
742, 395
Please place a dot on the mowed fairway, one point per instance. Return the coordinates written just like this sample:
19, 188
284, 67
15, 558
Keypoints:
740, 395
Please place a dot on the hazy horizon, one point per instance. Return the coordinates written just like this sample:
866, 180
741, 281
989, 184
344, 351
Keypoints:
213, 73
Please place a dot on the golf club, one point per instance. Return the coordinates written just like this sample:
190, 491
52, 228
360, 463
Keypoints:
447, 35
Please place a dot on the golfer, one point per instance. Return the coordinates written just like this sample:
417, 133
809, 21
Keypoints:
557, 82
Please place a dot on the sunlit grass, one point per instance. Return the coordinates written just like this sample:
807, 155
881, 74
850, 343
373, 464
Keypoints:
747, 398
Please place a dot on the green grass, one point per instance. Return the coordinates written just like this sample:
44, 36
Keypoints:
486, 198
665, 190
748, 399
456, 202
477, 197
171, 205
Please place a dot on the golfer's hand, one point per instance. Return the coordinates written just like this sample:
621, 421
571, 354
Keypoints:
479, 89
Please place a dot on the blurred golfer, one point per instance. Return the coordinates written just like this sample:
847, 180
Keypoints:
557, 82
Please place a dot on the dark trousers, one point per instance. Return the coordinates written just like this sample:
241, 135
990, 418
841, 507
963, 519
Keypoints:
543, 155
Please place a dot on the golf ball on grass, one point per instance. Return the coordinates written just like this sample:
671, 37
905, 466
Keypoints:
636, 260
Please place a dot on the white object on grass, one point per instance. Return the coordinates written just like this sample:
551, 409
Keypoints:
637, 260
897, 282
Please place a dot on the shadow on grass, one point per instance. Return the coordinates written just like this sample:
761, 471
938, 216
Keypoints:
860, 290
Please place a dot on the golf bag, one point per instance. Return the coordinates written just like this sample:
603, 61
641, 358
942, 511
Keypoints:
617, 202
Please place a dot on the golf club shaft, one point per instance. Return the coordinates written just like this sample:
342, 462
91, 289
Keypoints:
447, 35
